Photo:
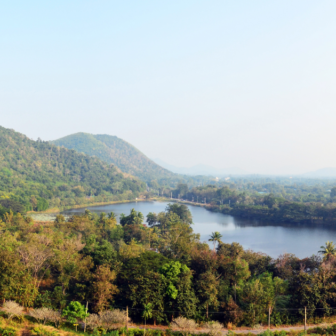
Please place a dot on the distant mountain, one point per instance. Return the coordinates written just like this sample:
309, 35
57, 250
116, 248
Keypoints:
37, 172
112, 149
322, 173
201, 169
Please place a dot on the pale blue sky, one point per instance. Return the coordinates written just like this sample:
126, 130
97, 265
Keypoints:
249, 84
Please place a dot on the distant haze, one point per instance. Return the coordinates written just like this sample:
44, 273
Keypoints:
201, 169
245, 84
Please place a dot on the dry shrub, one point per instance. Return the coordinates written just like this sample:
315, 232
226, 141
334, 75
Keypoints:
11, 308
232, 313
40, 314
230, 326
55, 317
108, 319
46, 314
93, 321
184, 325
214, 328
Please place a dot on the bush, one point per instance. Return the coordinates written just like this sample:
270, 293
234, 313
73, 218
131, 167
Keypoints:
46, 314
108, 319
74, 311
11, 308
112, 333
214, 328
184, 325
38, 331
8, 332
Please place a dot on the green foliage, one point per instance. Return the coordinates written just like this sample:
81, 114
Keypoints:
42, 204
44, 299
74, 311
115, 151
10, 204
181, 210
8, 331
279, 208
151, 219
135, 217
37, 174
147, 311
39, 331
117, 233
171, 272
329, 250
158, 270
101, 252
112, 333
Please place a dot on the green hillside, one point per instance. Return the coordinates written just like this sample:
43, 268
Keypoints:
111, 149
38, 174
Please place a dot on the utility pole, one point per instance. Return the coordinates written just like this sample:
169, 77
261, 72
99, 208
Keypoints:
305, 324
86, 310
127, 318
171, 195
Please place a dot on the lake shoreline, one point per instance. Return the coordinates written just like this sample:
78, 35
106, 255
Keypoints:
271, 238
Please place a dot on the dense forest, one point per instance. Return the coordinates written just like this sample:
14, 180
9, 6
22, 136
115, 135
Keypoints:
294, 204
161, 267
128, 159
112, 149
39, 175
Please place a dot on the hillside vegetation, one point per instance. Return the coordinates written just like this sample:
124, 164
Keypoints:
39, 175
111, 149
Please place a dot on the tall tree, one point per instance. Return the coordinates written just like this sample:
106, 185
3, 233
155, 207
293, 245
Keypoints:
328, 251
215, 237
103, 287
207, 285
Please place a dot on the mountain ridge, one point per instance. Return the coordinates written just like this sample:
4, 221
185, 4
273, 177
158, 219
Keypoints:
322, 173
31, 171
119, 152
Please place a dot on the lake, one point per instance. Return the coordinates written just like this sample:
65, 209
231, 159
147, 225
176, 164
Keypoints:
302, 240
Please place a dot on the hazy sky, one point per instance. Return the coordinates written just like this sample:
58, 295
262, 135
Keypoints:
248, 84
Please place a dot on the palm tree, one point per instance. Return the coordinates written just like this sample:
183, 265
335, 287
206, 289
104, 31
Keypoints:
215, 237
112, 215
147, 313
328, 250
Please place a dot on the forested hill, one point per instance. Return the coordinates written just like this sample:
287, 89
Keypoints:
38, 174
111, 149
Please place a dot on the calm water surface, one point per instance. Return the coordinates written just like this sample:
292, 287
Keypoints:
302, 240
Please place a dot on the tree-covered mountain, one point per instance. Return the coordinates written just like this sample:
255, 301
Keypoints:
111, 149
39, 174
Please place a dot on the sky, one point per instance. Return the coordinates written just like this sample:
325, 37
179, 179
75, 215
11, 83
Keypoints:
247, 84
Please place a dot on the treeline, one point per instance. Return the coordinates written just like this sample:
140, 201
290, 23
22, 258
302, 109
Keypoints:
39, 175
266, 207
300, 190
162, 266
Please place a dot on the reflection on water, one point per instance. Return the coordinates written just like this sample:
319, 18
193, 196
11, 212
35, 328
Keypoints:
302, 240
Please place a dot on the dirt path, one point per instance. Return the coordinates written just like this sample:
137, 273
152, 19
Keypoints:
244, 331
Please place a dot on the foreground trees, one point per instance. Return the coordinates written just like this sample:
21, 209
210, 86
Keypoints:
164, 269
